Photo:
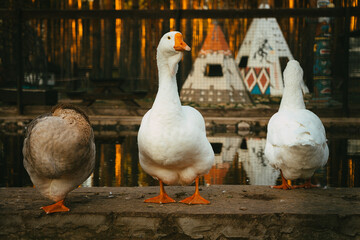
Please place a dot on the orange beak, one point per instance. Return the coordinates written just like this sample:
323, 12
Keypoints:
180, 45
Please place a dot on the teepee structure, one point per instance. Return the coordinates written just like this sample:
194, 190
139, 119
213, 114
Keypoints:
215, 78
263, 56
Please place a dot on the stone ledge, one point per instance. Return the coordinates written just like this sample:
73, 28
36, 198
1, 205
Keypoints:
235, 212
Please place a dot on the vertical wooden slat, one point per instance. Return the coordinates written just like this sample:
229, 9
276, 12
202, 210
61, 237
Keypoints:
345, 98
19, 57
109, 42
96, 42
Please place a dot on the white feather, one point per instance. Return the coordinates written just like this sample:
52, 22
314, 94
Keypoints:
172, 138
296, 139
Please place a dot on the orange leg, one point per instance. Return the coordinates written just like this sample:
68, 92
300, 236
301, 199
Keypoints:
56, 207
307, 184
162, 198
196, 198
284, 184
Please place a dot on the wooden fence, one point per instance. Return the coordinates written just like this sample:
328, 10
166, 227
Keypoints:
342, 15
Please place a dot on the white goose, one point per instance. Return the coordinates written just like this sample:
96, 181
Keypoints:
59, 153
296, 139
173, 147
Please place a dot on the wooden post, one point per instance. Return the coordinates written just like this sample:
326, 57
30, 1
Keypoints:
19, 56
96, 43
323, 65
108, 43
346, 62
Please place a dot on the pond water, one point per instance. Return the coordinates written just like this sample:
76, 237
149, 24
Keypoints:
239, 160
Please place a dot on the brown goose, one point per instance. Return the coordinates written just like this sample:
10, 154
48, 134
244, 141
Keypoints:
59, 153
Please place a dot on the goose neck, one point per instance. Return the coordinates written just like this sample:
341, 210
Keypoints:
292, 98
167, 94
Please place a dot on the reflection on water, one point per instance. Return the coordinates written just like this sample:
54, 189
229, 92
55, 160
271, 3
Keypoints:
257, 167
238, 160
117, 164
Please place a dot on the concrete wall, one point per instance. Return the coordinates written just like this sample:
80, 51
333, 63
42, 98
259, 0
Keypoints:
235, 212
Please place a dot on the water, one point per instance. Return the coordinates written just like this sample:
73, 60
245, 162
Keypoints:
238, 160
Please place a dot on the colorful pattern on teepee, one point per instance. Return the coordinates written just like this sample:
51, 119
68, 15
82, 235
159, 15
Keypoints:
257, 80
264, 46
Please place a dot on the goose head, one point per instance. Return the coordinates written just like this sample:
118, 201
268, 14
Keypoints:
170, 51
293, 76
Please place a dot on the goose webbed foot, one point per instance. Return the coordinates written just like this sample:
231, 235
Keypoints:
284, 185
306, 185
162, 198
56, 207
195, 198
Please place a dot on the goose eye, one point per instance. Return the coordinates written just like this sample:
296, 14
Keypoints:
169, 37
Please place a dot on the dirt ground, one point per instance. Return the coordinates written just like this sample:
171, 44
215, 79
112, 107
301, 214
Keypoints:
235, 212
